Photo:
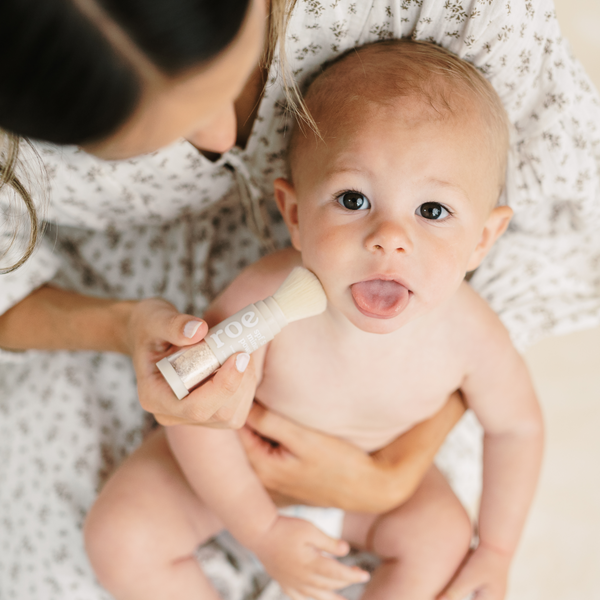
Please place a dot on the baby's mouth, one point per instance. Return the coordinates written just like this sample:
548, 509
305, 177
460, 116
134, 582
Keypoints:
380, 298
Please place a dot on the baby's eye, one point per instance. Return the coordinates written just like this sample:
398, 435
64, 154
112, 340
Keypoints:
433, 211
354, 201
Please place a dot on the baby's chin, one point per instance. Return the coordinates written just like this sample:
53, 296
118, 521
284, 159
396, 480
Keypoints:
377, 325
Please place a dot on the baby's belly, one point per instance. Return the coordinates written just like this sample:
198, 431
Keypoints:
370, 440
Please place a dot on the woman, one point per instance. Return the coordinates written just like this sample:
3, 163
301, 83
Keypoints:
179, 224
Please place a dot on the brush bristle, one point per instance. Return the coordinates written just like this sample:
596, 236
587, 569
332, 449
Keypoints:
301, 295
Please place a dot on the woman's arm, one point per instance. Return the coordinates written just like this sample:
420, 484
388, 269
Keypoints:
54, 319
310, 467
148, 330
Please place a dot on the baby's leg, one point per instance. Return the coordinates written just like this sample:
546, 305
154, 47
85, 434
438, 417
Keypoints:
142, 531
421, 543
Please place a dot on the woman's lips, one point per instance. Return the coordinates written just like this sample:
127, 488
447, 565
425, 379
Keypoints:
380, 298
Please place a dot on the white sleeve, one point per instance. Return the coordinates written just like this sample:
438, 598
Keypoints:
37, 270
42, 265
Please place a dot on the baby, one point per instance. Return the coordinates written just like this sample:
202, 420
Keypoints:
390, 206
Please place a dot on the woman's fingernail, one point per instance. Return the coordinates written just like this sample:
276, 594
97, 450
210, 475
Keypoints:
190, 328
241, 361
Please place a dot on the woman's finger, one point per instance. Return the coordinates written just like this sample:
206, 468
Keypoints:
234, 413
278, 428
217, 400
169, 420
183, 330
257, 446
156, 324
251, 440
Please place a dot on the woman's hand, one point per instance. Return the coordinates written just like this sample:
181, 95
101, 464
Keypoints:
305, 466
301, 465
54, 319
155, 330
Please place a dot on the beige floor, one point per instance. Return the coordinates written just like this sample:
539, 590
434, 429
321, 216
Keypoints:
559, 556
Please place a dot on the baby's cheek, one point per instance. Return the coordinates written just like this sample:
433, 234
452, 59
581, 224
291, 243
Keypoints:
329, 258
445, 275
325, 245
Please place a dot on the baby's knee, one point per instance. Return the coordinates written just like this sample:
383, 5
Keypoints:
455, 533
115, 538
435, 533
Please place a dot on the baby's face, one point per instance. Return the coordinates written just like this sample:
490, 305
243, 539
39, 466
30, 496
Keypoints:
391, 213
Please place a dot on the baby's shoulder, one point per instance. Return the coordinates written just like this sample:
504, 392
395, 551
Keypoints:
478, 324
255, 282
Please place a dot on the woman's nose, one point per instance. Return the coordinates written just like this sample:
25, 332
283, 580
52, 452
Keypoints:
219, 135
389, 237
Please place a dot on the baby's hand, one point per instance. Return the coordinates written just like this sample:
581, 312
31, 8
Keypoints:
484, 573
292, 552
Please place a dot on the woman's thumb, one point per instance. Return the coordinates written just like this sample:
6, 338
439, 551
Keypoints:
183, 330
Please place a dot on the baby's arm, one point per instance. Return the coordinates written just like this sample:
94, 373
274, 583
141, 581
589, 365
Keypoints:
499, 390
291, 550
215, 465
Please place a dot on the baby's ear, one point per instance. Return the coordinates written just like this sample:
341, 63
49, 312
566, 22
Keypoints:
494, 227
285, 196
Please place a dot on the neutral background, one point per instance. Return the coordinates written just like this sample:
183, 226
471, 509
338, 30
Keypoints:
559, 556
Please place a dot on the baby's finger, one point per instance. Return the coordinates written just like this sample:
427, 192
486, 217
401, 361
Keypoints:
317, 593
331, 569
324, 543
332, 583
293, 594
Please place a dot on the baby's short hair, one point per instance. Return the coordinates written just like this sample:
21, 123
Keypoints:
382, 72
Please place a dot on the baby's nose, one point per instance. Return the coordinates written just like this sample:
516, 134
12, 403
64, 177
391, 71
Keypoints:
389, 237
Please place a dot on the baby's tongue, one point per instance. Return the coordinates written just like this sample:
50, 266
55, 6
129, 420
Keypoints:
380, 298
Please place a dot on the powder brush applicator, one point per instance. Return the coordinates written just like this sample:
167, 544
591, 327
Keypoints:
299, 296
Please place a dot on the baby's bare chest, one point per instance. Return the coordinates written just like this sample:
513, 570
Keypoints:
368, 395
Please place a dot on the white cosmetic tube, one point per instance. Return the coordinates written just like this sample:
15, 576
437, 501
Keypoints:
246, 331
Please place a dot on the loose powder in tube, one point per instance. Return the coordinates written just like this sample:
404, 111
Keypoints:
195, 364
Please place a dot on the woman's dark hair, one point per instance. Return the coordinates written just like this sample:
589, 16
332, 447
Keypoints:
64, 80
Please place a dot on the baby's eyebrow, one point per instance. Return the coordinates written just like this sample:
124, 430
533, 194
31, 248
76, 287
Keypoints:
448, 185
341, 170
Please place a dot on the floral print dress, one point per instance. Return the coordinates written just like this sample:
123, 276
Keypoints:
175, 225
